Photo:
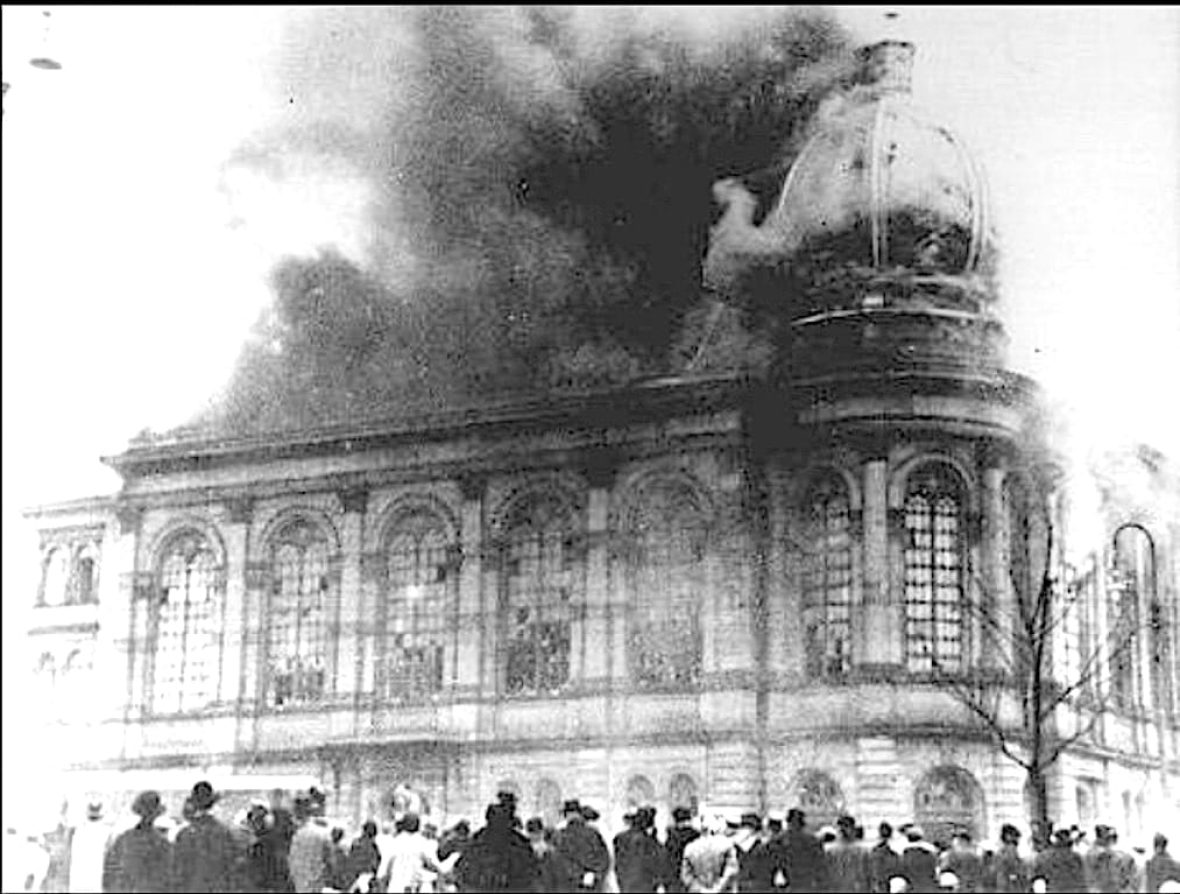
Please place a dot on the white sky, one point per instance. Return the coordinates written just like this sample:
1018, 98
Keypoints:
127, 292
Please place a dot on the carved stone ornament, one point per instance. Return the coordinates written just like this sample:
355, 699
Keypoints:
129, 518
241, 510
354, 499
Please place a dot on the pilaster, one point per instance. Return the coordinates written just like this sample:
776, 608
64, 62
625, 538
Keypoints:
350, 637
881, 643
237, 544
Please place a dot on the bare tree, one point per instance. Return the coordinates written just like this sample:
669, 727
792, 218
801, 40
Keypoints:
1032, 705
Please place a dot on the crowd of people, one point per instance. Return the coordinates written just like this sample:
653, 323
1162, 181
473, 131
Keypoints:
292, 847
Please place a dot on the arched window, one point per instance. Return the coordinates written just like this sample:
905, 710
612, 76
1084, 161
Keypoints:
682, 792
85, 578
297, 645
820, 797
947, 798
541, 583
420, 579
188, 623
640, 793
665, 577
547, 804
57, 577
934, 571
827, 585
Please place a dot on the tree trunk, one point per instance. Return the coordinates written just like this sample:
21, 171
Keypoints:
1038, 789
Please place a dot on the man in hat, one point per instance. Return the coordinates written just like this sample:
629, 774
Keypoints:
710, 862
680, 835
498, 858
205, 854
88, 850
963, 861
639, 859
409, 858
1008, 872
803, 855
140, 858
884, 862
311, 859
849, 866
582, 855
755, 859
1161, 867
919, 860
1059, 866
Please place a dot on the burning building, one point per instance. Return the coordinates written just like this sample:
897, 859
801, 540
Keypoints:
753, 587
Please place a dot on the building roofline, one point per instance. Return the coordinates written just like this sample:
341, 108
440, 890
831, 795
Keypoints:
603, 406
97, 503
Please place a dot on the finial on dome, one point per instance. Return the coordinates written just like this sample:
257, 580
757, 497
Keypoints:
889, 62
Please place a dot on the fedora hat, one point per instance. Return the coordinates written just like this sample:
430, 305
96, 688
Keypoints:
203, 796
147, 805
94, 810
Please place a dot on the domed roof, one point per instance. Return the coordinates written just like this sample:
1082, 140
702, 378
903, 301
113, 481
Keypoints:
881, 185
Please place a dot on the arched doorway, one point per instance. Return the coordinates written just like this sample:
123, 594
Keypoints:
819, 796
946, 799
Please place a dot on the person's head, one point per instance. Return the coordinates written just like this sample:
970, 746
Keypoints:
94, 811
147, 806
774, 825
337, 834
1160, 842
796, 819
369, 829
961, 840
572, 811
461, 828
257, 817
203, 797
681, 816
884, 831
913, 832
645, 818
303, 807
846, 828
1009, 834
410, 823
1062, 839
535, 828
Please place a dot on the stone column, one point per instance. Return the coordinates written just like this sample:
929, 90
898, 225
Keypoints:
472, 619
349, 631
240, 513
881, 643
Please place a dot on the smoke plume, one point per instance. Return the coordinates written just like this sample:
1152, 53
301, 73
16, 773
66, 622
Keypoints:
523, 196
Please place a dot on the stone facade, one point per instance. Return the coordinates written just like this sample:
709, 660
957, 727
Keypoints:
757, 721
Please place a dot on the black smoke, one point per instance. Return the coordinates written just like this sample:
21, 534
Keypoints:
540, 200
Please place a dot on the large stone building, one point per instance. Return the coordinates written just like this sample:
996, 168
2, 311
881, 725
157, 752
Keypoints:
723, 590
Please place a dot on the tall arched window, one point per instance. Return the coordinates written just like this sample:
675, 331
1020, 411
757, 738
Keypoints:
300, 598
85, 585
1131, 578
683, 792
827, 585
935, 550
188, 622
666, 576
57, 577
420, 579
541, 583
